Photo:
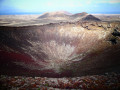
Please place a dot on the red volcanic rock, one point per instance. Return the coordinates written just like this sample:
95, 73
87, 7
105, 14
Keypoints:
106, 81
61, 49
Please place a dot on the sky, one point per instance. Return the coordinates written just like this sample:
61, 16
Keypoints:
72, 6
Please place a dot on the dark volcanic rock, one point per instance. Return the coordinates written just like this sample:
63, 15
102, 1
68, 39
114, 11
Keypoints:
90, 18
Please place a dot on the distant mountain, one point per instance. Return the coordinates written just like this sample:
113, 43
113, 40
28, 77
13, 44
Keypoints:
80, 14
65, 12
90, 18
50, 15
66, 16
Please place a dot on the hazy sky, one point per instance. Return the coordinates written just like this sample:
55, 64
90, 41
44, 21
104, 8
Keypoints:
73, 6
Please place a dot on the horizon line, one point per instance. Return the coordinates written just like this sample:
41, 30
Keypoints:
38, 13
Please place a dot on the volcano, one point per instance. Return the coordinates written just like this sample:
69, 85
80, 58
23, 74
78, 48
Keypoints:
58, 15
90, 18
60, 49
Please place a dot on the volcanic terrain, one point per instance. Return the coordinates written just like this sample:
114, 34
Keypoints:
70, 49
66, 46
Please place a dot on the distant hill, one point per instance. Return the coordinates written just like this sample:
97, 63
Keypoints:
90, 18
80, 14
64, 15
58, 14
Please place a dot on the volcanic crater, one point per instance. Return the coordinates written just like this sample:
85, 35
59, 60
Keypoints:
65, 49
